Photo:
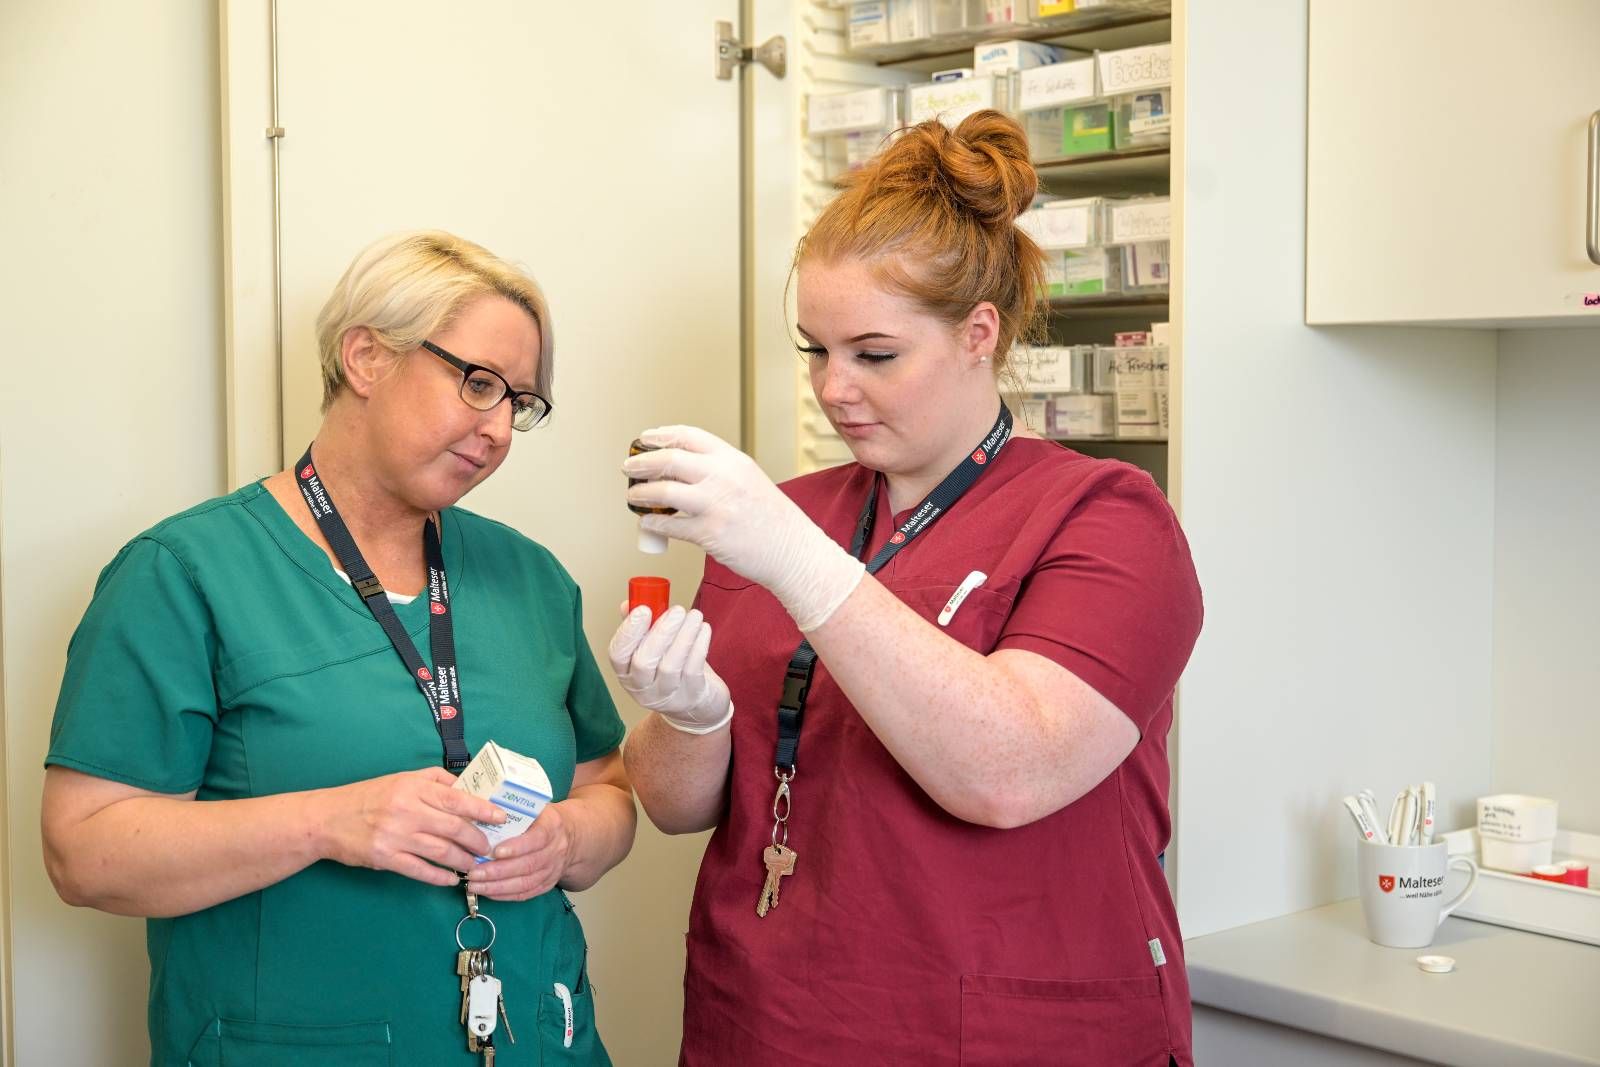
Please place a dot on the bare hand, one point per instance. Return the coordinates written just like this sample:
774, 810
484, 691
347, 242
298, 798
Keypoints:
413, 823
529, 864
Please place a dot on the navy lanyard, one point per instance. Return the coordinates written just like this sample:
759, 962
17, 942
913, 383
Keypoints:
440, 687
803, 664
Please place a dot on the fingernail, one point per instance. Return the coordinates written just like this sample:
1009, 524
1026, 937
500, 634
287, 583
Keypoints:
501, 852
475, 875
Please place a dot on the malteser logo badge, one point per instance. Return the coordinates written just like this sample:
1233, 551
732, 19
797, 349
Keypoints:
425, 674
446, 711
899, 538
307, 473
979, 458
1386, 882
436, 607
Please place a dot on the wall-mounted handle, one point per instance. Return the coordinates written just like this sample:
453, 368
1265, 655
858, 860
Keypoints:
1593, 234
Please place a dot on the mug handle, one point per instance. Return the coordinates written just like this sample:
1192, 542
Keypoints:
1472, 882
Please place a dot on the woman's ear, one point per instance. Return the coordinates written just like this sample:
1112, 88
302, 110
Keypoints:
366, 361
981, 333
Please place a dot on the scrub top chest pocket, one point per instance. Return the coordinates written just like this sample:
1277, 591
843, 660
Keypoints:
963, 608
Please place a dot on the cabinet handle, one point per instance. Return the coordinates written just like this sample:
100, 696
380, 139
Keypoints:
1593, 234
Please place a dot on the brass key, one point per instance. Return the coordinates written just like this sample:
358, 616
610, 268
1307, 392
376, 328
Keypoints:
464, 963
780, 861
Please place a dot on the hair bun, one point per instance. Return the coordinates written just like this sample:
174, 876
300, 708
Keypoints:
985, 161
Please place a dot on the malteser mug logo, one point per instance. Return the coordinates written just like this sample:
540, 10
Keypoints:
436, 608
1386, 882
446, 711
307, 472
899, 538
979, 458
425, 674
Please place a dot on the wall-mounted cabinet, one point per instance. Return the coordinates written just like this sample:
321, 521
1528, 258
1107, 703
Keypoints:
1450, 163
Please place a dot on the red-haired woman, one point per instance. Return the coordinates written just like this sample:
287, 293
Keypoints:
941, 807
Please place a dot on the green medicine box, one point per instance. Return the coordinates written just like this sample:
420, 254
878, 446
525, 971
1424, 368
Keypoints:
1086, 129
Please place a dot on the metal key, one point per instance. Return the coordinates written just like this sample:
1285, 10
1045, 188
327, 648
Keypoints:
488, 1054
464, 965
504, 1017
780, 861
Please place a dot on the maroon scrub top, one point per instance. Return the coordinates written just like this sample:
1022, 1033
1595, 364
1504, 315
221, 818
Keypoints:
905, 935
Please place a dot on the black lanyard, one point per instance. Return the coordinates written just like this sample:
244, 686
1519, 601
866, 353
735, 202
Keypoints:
803, 664
440, 687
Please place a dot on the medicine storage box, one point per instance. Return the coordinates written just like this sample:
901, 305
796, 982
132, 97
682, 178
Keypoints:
847, 129
1138, 82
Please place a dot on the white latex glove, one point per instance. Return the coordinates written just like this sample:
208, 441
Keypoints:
664, 668
727, 506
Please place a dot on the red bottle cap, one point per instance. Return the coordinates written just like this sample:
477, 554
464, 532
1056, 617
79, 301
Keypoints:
652, 593
1549, 872
1577, 873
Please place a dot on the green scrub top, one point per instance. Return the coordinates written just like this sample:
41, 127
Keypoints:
222, 653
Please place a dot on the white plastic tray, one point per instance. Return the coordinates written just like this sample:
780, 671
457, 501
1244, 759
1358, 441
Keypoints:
1526, 903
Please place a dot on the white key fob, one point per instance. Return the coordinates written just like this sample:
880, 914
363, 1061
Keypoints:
483, 1002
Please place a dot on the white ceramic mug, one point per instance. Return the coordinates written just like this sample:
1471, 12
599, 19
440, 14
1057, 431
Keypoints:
1402, 891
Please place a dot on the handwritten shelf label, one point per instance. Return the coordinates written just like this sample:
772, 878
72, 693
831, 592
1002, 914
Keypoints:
1132, 69
951, 102
1055, 84
1141, 220
867, 109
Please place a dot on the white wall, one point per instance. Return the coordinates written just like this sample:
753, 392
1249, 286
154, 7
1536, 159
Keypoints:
1547, 578
108, 199
1338, 494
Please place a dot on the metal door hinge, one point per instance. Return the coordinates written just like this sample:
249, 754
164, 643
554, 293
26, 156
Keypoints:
774, 55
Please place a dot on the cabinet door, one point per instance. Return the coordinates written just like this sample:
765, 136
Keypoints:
1447, 161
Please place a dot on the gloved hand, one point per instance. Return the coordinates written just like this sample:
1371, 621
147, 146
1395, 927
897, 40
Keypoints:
727, 506
664, 668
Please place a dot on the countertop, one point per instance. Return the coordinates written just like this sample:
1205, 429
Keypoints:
1514, 997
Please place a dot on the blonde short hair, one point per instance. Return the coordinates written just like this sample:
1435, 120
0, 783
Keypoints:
409, 286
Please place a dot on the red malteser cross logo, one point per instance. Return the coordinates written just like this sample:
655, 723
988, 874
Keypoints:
1386, 882
979, 458
898, 538
425, 674
307, 472
436, 607
446, 711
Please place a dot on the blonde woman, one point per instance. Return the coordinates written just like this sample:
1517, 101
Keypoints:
262, 713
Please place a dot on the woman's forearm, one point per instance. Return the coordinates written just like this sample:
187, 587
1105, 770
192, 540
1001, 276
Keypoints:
155, 857
999, 740
602, 821
681, 778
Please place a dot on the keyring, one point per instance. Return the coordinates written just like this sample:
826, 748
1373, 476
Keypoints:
463, 922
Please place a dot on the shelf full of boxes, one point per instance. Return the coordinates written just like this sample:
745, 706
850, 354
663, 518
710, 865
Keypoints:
1091, 85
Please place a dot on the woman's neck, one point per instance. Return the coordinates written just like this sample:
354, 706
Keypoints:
908, 488
386, 529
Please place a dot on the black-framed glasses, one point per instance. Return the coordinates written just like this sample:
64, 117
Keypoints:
483, 388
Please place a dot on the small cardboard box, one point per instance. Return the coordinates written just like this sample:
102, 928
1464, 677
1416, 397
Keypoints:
514, 783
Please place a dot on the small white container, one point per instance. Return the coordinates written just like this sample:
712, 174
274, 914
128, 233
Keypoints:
1517, 817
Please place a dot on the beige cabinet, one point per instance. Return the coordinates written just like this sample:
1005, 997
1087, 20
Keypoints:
1450, 154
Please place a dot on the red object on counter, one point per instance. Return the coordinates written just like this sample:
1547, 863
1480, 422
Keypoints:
1577, 873
1549, 872
650, 592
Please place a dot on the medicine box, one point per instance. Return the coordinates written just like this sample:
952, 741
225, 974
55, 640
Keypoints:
1087, 272
1081, 415
868, 24
1146, 267
1142, 119
1138, 218
955, 16
850, 128
909, 20
514, 783
1006, 57
1141, 376
1086, 129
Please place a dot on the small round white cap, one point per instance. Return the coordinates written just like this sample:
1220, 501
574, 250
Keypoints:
1437, 964
651, 542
